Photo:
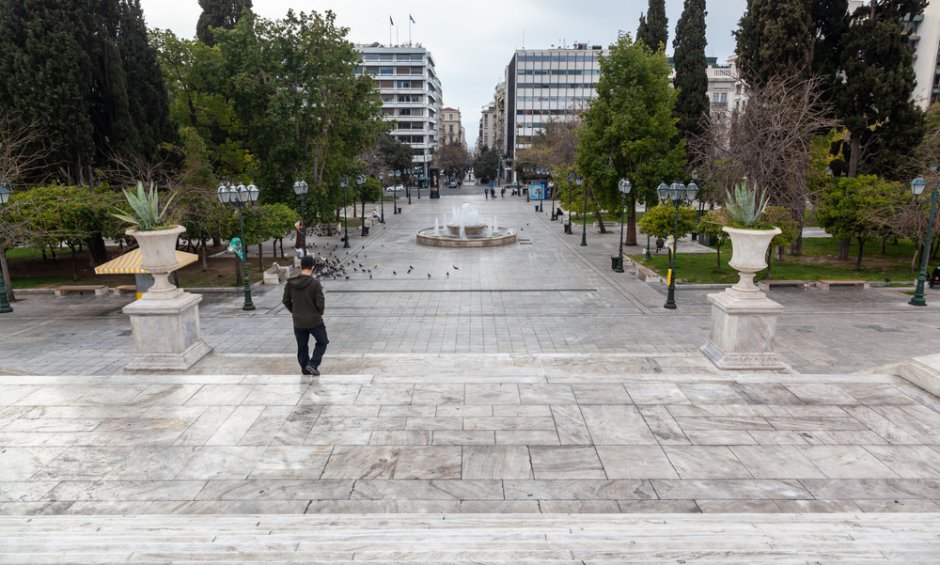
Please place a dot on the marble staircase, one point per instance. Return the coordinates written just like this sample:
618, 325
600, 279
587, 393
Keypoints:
497, 539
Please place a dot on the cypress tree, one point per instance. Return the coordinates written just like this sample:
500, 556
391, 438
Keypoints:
149, 106
874, 101
774, 39
654, 26
219, 13
691, 80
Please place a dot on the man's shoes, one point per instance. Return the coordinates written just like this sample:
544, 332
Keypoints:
304, 371
311, 370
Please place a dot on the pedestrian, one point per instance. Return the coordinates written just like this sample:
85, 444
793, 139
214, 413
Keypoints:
502, 192
300, 239
303, 298
375, 216
486, 193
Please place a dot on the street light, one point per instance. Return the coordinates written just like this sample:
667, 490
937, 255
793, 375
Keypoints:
578, 180
554, 215
344, 183
300, 189
678, 193
360, 182
4, 303
394, 176
917, 187
382, 201
625, 186
240, 197
407, 176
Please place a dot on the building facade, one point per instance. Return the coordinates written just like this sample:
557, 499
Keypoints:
486, 137
451, 131
411, 95
542, 86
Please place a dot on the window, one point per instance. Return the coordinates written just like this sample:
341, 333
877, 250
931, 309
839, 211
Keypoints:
720, 98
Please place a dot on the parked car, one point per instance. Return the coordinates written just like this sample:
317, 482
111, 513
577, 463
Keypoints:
394, 188
452, 184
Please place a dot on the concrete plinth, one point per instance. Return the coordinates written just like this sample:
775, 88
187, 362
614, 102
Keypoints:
166, 333
923, 372
743, 329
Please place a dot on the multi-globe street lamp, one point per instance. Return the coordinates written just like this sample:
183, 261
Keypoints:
344, 182
578, 180
678, 194
300, 189
917, 187
382, 197
240, 197
4, 303
360, 182
624, 186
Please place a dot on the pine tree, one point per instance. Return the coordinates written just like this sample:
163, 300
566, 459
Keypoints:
874, 101
654, 26
775, 39
149, 106
219, 13
691, 80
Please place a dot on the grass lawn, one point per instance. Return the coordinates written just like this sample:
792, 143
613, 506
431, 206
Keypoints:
818, 262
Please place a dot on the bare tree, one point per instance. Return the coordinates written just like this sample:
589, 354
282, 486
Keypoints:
769, 142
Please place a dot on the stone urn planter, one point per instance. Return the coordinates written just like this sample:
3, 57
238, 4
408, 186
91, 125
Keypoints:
158, 257
744, 320
748, 256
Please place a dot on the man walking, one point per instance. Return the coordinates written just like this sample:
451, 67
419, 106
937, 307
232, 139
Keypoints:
303, 298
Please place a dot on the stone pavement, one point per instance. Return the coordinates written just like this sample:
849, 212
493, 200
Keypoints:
527, 380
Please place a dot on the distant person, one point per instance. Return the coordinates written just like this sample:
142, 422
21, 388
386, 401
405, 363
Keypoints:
502, 192
486, 193
303, 298
300, 239
935, 277
375, 216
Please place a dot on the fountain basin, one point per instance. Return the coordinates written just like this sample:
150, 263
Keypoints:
476, 230
433, 238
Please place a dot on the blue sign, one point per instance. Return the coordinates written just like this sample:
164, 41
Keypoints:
537, 190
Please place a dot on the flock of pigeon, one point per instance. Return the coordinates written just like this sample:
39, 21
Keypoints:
331, 266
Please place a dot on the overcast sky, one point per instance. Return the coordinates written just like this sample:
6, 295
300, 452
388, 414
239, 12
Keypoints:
473, 41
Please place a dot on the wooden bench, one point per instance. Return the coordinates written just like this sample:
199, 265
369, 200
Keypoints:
98, 289
825, 285
125, 289
769, 284
646, 274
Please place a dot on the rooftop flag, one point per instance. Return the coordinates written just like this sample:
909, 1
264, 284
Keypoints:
412, 19
391, 22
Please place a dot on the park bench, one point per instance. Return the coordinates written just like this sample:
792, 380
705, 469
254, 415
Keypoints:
826, 285
98, 289
646, 274
769, 284
125, 289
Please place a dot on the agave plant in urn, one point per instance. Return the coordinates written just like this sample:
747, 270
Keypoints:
156, 238
750, 236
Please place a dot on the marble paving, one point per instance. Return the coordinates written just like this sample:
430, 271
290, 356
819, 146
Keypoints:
469, 441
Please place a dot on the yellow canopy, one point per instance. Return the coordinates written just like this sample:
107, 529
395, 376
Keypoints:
129, 263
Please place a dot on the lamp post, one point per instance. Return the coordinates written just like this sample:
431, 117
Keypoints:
360, 182
240, 197
382, 201
394, 176
406, 175
344, 183
917, 187
542, 173
625, 186
578, 180
4, 302
300, 189
677, 193
554, 215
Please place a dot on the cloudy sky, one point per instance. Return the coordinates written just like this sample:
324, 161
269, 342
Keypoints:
473, 41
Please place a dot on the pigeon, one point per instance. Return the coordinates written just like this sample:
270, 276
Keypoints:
429, 275
394, 273
447, 274
370, 276
455, 267
410, 267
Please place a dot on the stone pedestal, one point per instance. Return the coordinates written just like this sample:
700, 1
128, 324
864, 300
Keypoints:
743, 329
923, 372
166, 333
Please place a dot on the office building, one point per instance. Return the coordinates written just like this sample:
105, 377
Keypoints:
451, 131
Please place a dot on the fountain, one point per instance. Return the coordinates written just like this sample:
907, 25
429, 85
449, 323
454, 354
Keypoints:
466, 228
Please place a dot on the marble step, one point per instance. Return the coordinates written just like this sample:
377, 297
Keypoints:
552, 538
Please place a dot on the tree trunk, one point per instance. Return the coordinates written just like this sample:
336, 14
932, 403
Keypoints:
205, 256
74, 262
884, 246
861, 248
718, 255
796, 248
779, 253
770, 263
260, 258
597, 212
97, 249
631, 227
5, 271
855, 146
844, 249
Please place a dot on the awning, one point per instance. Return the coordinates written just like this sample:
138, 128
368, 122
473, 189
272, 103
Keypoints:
129, 263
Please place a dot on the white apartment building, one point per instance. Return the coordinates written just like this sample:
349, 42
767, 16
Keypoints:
411, 95
452, 131
545, 85
486, 138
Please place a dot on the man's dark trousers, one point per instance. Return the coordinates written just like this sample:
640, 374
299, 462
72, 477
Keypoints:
303, 345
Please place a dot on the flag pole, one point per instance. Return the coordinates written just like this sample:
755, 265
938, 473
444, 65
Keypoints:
390, 24
409, 30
